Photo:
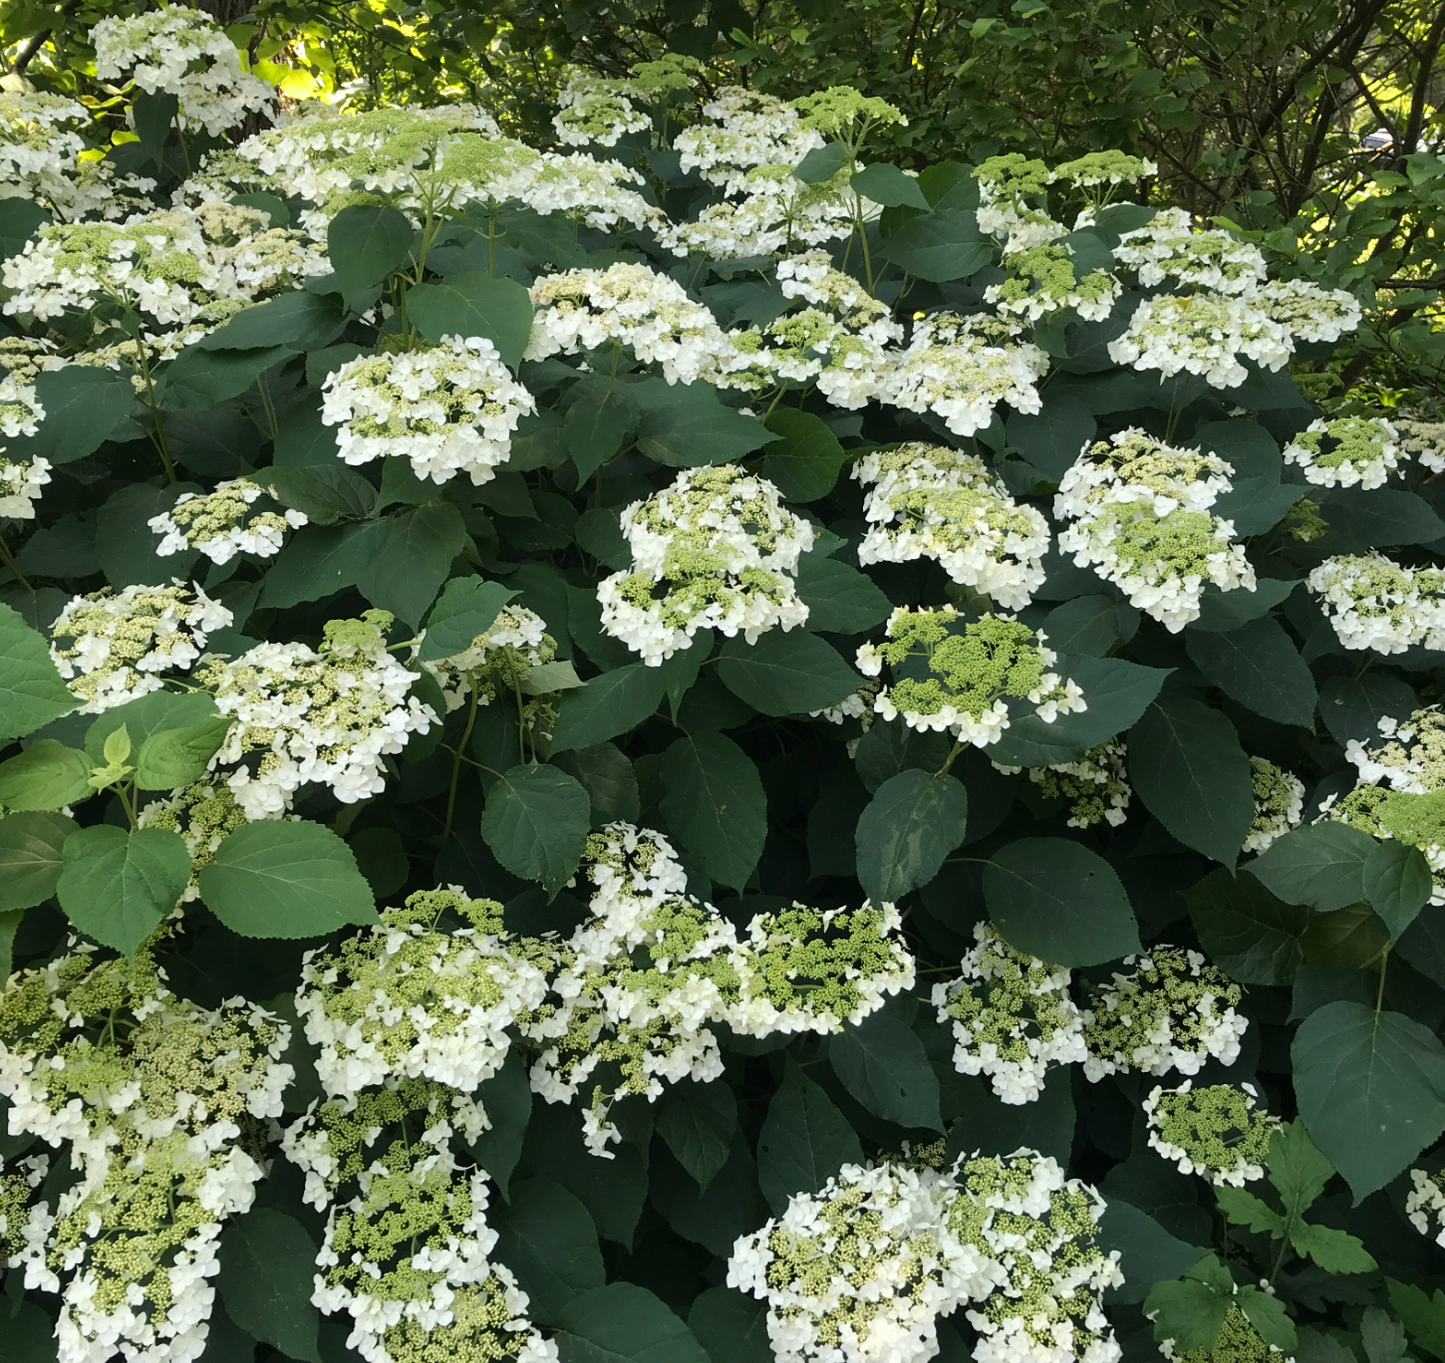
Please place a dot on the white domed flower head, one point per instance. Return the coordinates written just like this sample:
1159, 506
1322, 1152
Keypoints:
1213, 1131
1141, 518
1170, 247
1374, 603
112, 646
928, 501
716, 549
1351, 451
1012, 1017
949, 674
325, 715
448, 409
1172, 1012
221, 524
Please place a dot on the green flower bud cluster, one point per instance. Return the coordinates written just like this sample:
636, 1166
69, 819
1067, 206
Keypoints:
1172, 1012
1012, 1017
1214, 1131
1043, 280
950, 674
497, 661
161, 1105
1096, 786
1278, 804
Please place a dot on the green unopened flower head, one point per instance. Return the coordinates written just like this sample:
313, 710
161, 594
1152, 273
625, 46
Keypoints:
1214, 1131
950, 674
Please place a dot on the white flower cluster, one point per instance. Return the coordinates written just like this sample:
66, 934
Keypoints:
221, 524
1421, 440
1372, 602
407, 999
1096, 785
639, 987
1172, 1012
112, 647
1210, 334
159, 1101
591, 108
715, 549
962, 368
179, 51
740, 131
1169, 246
1425, 1204
1411, 759
448, 409
1350, 451
861, 1271
40, 143
326, 716
406, 1246
1140, 518
1214, 1131
928, 501
838, 342
626, 305
1012, 1017
496, 660
953, 675
431, 160
1279, 798
204, 813
20, 479
1043, 280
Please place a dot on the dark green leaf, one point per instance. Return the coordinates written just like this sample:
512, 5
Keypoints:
886, 184
607, 777
804, 1140
786, 673
914, 820
197, 380
116, 887
546, 1238
596, 427
686, 426
840, 599
997, 1128
1381, 517
125, 543
536, 823
1148, 1253
697, 1122
822, 163
281, 879
29, 1335
467, 607
608, 705
613, 1190
1335, 1251
733, 1328
1190, 1311
402, 560
83, 405
1187, 767
20, 219
267, 1265
624, 1323
805, 461
1117, 693
882, 1064
364, 244
1255, 505
47, 775
1352, 707
474, 304
1250, 449
1371, 1090
715, 805
1220, 612
1321, 865
1052, 439
938, 246
298, 320
32, 692
31, 859
1397, 884
1090, 624
325, 494
1423, 1315
1059, 901
1258, 666
1248, 933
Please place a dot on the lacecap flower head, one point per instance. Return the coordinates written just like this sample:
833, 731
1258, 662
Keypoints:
1278, 804
1214, 1131
222, 524
949, 674
1350, 451
1374, 603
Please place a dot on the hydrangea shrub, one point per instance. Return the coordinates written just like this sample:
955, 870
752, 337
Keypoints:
688, 746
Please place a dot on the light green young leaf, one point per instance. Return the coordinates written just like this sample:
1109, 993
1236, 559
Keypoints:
1335, 1251
32, 692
